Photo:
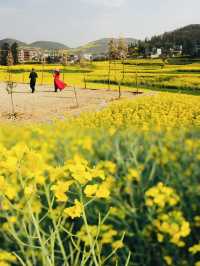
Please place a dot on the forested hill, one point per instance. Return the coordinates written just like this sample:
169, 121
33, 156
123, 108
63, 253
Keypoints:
190, 33
99, 46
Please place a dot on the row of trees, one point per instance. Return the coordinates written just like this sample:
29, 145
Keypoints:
7, 51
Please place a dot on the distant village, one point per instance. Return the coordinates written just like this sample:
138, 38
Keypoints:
49, 56
38, 55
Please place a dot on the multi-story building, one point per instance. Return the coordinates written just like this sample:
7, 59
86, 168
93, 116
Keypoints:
31, 54
28, 54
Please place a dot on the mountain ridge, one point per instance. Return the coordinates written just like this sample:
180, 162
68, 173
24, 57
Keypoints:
10, 41
94, 47
99, 46
37, 44
189, 32
48, 45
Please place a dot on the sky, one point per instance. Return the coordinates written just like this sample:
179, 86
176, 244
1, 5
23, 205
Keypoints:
76, 22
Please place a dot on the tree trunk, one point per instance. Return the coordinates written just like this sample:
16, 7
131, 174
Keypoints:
109, 71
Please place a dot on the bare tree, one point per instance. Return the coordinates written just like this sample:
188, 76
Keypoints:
64, 63
9, 62
84, 65
10, 84
112, 55
122, 55
122, 52
43, 69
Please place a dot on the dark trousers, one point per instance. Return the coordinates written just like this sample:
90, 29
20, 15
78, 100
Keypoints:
32, 85
55, 87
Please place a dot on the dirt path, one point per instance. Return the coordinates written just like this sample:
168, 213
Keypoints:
45, 104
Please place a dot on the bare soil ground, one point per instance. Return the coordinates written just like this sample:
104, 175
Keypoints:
46, 105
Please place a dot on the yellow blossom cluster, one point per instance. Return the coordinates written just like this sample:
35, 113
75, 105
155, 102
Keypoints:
75, 211
195, 249
161, 196
6, 258
133, 175
173, 225
77, 171
105, 234
168, 260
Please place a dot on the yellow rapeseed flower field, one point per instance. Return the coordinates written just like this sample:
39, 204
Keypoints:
116, 187
146, 73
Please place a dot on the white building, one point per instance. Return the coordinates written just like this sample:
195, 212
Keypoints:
88, 57
157, 53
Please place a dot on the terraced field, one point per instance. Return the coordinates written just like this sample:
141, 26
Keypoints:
151, 74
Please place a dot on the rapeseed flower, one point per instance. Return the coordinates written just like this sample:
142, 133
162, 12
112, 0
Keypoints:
195, 249
75, 211
161, 196
91, 190
60, 189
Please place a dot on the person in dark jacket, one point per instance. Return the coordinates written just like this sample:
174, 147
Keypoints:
33, 77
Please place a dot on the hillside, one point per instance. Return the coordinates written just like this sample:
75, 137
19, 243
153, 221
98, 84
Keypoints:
38, 44
98, 47
95, 47
48, 45
11, 41
183, 36
190, 32
187, 34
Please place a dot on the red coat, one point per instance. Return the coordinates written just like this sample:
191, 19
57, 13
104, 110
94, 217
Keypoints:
58, 83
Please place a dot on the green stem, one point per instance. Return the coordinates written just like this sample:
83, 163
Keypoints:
55, 225
89, 235
45, 257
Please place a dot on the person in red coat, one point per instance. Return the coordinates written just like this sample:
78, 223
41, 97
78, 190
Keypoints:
58, 84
